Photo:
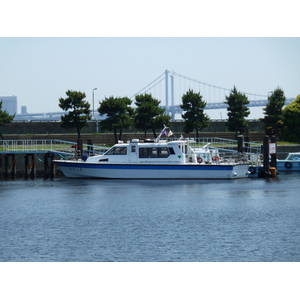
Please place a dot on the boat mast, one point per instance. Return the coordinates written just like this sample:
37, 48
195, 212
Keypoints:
163, 131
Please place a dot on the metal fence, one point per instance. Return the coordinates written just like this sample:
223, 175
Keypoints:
42, 146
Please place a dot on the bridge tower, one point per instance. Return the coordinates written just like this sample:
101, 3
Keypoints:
167, 88
169, 108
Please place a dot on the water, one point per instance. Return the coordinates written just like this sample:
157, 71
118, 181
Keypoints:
150, 220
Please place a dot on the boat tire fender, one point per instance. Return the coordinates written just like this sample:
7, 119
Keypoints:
288, 165
252, 170
84, 157
199, 160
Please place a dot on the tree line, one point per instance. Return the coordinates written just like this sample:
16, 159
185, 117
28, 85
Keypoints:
283, 122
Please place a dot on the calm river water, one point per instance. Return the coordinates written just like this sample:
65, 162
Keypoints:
112, 220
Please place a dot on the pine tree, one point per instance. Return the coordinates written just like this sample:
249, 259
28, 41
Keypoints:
274, 117
79, 111
148, 114
5, 118
118, 115
237, 112
194, 116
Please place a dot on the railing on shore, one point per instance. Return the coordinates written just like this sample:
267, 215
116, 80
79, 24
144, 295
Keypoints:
43, 146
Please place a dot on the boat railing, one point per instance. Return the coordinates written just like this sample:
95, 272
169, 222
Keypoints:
41, 146
228, 149
226, 144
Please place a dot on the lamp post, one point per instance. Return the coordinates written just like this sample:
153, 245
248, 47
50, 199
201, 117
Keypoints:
268, 94
93, 104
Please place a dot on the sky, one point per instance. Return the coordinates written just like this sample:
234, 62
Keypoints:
40, 61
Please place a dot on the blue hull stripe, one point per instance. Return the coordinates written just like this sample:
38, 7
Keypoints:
145, 166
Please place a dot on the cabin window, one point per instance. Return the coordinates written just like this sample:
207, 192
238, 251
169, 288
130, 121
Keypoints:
117, 151
171, 150
154, 152
183, 148
133, 148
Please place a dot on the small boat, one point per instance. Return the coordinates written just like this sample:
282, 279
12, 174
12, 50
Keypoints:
154, 159
290, 164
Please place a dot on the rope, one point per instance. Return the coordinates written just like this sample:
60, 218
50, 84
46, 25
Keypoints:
39, 158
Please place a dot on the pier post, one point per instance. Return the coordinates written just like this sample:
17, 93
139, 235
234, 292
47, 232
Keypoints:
30, 166
90, 146
46, 166
273, 155
27, 166
52, 166
49, 167
14, 166
266, 162
10, 168
240, 143
79, 151
6, 166
1, 170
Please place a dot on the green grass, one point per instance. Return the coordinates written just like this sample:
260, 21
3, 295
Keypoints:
282, 143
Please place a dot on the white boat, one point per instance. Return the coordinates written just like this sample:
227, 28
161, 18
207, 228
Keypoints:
290, 164
157, 159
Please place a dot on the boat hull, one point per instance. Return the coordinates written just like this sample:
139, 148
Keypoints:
79, 169
288, 165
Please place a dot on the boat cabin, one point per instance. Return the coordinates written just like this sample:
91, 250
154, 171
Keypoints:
148, 152
293, 156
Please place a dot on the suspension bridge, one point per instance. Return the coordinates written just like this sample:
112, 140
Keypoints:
170, 86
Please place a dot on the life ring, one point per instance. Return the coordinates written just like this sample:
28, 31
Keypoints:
288, 165
215, 158
199, 160
252, 170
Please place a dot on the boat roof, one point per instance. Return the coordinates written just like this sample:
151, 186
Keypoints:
152, 142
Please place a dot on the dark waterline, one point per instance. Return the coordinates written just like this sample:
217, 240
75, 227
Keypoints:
113, 220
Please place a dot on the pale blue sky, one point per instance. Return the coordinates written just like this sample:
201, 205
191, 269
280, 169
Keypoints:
125, 45
40, 70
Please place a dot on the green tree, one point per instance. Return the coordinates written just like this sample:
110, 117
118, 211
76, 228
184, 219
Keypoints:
5, 118
273, 120
194, 116
119, 115
79, 111
291, 120
237, 111
148, 114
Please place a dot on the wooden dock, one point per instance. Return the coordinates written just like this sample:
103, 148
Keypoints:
29, 158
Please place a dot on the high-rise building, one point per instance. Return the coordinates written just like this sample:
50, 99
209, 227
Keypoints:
23, 109
9, 104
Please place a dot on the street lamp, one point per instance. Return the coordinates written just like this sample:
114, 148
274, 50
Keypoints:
268, 94
93, 104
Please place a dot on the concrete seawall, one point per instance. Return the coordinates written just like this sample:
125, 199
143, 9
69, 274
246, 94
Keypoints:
46, 127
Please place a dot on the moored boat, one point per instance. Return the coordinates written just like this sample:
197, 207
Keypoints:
290, 164
157, 159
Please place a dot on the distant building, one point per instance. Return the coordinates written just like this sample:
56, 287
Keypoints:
9, 104
23, 109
